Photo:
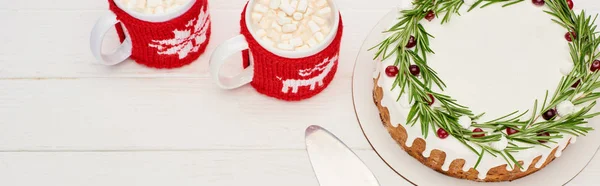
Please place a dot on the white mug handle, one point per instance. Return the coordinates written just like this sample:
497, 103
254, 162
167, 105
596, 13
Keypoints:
221, 54
102, 26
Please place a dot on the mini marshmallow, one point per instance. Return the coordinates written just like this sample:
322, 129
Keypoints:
274, 35
321, 3
312, 43
294, 4
256, 17
500, 145
268, 41
296, 42
325, 29
286, 37
325, 11
287, 9
281, 14
313, 26
153, 3
298, 16
159, 10
285, 46
264, 23
303, 47
260, 8
275, 4
319, 36
289, 28
130, 3
565, 108
302, 6
284, 20
141, 4
276, 27
319, 20
261, 33
309, 11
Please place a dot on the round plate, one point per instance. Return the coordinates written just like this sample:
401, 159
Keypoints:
562, 170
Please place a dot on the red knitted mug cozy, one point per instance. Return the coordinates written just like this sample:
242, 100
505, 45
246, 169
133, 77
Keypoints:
170, 44
291, 79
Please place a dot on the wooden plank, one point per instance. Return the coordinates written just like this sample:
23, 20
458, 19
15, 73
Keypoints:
164, 113
193, 168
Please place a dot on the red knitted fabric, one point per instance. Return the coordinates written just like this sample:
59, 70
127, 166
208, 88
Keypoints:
291, 79
171, 44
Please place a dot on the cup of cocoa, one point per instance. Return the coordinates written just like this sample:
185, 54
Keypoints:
154, 33
290, 48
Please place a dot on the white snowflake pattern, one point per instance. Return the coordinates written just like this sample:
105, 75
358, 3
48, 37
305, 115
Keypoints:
185, 41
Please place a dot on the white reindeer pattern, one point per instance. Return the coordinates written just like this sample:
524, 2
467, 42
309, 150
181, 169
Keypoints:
325, 67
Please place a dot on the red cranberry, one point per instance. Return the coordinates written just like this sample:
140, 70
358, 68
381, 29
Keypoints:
595, 66
511, 131
543, 134
412, 42
432, 99
430, 15
391, 71
442, 134
576, 84
570, 36
570, 3
414, 70
478, 130
549, 115
538, 2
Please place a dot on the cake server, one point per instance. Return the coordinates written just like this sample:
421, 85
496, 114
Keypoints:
333, 162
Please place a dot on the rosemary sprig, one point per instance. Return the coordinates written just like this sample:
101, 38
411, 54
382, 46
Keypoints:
419, 90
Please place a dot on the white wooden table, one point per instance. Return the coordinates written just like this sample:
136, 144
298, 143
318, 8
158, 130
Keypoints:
64, 121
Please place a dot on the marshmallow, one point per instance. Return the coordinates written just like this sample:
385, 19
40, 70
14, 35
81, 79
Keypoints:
285, 46
321, 3
286, 37
256, 17
325, 11
153, 3
287, 9
313, 26
312, 43
294, 4
298, 16
296, 42
159, 10
303, 47
141, 4
319, 20
276, 27
284, 20
260, 8
302, 6
325, 29
261, 33
319, 36
289, 28
275, 4
309, 11
268, 41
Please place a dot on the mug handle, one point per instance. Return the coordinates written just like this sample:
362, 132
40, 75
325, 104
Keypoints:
217, 60
120, 54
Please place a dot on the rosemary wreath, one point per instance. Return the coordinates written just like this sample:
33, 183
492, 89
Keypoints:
576, 88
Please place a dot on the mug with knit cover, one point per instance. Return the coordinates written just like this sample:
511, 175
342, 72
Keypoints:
285, 75
168, 40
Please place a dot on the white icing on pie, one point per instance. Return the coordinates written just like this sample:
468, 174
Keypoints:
494, 60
